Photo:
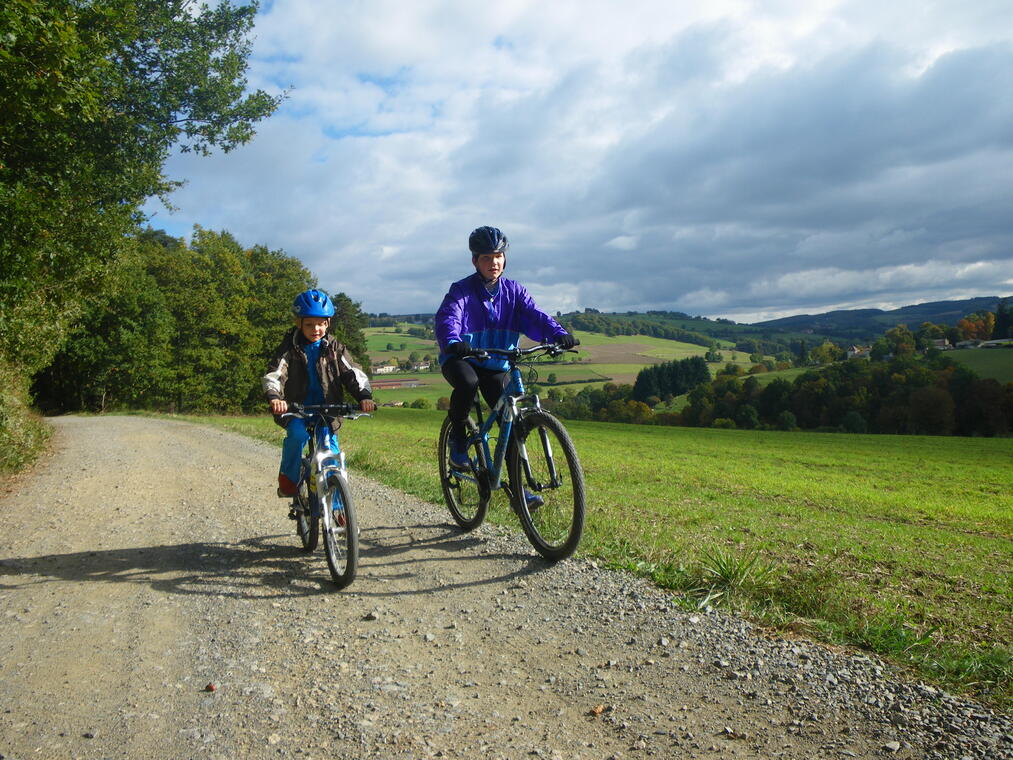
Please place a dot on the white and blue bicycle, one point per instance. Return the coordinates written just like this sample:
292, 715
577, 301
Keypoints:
323, 499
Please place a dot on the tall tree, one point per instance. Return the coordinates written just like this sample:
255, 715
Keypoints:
1003, 319
93, 96
119, 353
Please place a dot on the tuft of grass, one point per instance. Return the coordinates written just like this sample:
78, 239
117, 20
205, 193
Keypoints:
734, 575
720, 579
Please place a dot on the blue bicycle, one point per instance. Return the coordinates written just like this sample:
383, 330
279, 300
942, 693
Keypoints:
546, 482
323, 497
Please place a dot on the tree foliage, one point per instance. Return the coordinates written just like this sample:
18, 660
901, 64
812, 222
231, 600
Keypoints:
185, 328
978, 326
904, 395
94, 94
670, 378
93, 97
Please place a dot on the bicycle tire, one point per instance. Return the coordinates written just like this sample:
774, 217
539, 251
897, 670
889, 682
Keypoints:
306, 525
341, 531
467, 494
555, 527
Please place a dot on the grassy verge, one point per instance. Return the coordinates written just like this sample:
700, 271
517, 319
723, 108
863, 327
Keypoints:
902, 545
23, 434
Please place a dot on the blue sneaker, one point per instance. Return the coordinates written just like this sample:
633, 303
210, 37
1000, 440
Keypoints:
458, 454
534, 501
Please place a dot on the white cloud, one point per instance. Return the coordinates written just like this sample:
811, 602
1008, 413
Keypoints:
733, 158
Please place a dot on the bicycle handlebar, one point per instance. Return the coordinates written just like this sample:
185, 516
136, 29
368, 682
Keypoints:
348, 411
515, 354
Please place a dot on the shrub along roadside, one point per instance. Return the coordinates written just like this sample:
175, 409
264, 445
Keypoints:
23, 434
899, 545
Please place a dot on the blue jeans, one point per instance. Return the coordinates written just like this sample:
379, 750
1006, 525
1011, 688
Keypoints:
296, 437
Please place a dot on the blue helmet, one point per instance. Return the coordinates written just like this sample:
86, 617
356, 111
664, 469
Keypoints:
487, 240
313, 303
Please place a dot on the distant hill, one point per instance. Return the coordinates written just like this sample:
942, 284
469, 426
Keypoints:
855, 325
860, 323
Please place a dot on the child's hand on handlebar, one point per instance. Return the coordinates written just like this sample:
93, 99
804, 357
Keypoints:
278, 406
367, 405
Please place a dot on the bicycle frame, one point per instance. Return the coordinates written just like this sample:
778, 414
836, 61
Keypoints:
553, 520
504, 413
319, 469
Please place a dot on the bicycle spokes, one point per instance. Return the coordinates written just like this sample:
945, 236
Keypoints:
466, 492
548, 485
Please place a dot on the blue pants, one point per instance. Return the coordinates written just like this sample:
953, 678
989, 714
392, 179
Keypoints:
296, 437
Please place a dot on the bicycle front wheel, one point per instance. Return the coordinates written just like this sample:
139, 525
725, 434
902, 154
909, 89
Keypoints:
547, 484
466, 491
306, 525
341, 530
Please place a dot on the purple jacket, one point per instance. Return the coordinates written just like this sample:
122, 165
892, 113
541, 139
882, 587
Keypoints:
470, 314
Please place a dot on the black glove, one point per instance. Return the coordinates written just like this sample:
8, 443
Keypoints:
461, 348
567, 341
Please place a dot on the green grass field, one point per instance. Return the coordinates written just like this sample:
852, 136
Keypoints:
378, 338
899, 544
601, 359
987, 362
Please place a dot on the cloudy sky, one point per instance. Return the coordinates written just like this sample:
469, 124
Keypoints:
734, 159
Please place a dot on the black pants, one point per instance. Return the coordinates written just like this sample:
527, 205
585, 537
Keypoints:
465, 377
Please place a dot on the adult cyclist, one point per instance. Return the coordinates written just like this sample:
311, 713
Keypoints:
486, 310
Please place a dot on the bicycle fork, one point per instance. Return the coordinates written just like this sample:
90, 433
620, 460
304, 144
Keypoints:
550, 463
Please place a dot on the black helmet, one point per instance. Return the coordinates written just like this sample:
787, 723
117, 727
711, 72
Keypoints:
487, 240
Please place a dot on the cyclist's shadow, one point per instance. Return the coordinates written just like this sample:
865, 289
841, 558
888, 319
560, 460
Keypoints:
384, 556
203, 568
252, 568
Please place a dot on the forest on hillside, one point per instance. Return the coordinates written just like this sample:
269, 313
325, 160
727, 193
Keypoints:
185, 328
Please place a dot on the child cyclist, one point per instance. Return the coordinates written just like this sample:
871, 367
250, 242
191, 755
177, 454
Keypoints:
486, 310
309, 367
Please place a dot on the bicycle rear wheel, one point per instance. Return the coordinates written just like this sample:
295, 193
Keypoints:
543, 461
306, 525
466, 492
341, 530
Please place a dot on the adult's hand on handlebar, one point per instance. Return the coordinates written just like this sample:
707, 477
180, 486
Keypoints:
460, 348
367, 405
567, 341
278, 406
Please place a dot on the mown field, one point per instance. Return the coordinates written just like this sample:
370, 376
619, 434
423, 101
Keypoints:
600, 359
902, 545
987, 362
618, 359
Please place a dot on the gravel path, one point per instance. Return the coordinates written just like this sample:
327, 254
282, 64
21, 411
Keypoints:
154, 604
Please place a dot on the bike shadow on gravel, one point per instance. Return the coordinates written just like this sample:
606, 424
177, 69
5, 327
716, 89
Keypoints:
263, 566
381, 549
